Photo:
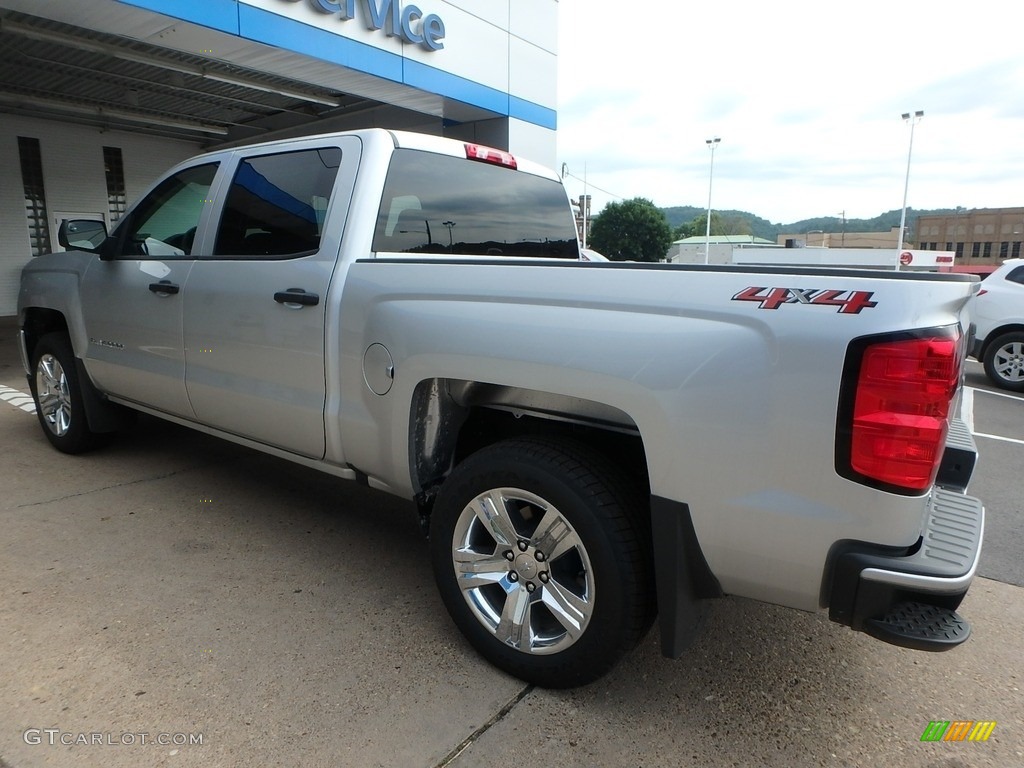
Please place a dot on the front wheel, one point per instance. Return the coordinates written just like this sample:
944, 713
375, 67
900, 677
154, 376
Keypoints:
541, 552
1004, 361
58, 395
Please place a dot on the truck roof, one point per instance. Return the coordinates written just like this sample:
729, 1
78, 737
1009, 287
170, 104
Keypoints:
397, 139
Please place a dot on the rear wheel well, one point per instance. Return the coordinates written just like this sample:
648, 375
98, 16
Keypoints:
453, 419
486, 426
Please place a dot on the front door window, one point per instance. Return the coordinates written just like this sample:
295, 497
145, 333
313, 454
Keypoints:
164, 224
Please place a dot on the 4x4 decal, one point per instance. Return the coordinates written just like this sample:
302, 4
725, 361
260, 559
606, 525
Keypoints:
848, 302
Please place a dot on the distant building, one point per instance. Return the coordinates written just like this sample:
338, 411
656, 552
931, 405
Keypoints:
581, 210
849, 258
818, 238
981, 238
691, 249
746, 249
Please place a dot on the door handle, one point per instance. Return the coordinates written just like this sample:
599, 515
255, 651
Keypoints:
164, 287
296, 297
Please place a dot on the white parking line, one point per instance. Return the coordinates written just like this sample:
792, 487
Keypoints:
999, 437
967, 412
17, 399
998, 394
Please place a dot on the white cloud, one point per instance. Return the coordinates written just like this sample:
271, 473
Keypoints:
806, 97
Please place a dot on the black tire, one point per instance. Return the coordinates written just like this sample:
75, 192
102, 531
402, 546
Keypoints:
58, 396
1004, 361
585, 606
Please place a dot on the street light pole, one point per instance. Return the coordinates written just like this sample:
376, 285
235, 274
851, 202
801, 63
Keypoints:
449, 224
913, 120
712, 143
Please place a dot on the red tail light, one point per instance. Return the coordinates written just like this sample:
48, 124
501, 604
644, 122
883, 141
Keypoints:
490, 155
897, 413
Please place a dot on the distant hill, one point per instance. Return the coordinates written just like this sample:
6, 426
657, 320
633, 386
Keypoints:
743, 220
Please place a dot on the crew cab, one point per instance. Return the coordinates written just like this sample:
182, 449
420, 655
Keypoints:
588, 444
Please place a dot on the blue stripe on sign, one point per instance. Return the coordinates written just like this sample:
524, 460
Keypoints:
217, 14
428, 78
272, 29
282, 32
532, 112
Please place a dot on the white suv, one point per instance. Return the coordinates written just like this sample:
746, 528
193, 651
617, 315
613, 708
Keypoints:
998, 315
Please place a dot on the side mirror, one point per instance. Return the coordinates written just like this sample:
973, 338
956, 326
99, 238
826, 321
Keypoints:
82, 234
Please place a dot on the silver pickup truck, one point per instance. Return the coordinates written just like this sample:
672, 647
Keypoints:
589, 445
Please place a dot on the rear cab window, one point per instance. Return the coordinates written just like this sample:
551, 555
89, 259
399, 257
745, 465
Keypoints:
276, 205
448, 206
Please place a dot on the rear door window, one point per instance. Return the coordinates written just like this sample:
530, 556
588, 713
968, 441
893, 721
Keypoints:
277, 204
435, 204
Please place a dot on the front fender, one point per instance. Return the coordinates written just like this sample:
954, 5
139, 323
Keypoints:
53, 282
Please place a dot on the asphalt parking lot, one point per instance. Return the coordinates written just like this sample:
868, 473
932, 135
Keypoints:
173, 585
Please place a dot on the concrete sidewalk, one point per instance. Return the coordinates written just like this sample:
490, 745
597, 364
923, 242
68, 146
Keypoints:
176, 584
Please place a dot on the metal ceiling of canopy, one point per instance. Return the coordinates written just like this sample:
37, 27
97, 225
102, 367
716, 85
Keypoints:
55, 70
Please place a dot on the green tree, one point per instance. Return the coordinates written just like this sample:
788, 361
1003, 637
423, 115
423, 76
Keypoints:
684, 231
633, 230
734, 225
719, 226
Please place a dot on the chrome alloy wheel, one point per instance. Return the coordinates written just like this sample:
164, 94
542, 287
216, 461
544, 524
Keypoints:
53, 395
1008, 362
523, 570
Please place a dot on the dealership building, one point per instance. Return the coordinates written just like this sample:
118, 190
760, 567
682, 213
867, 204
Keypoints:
99, 97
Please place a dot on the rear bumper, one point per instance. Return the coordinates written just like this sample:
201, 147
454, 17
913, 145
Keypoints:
959, 458
869, 582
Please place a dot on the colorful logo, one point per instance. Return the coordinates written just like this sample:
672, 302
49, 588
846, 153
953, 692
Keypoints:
848, 302
958, 730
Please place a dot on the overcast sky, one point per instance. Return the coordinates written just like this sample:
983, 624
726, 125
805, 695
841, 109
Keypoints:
806, 97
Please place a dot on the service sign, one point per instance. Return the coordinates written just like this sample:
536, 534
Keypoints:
388, 16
